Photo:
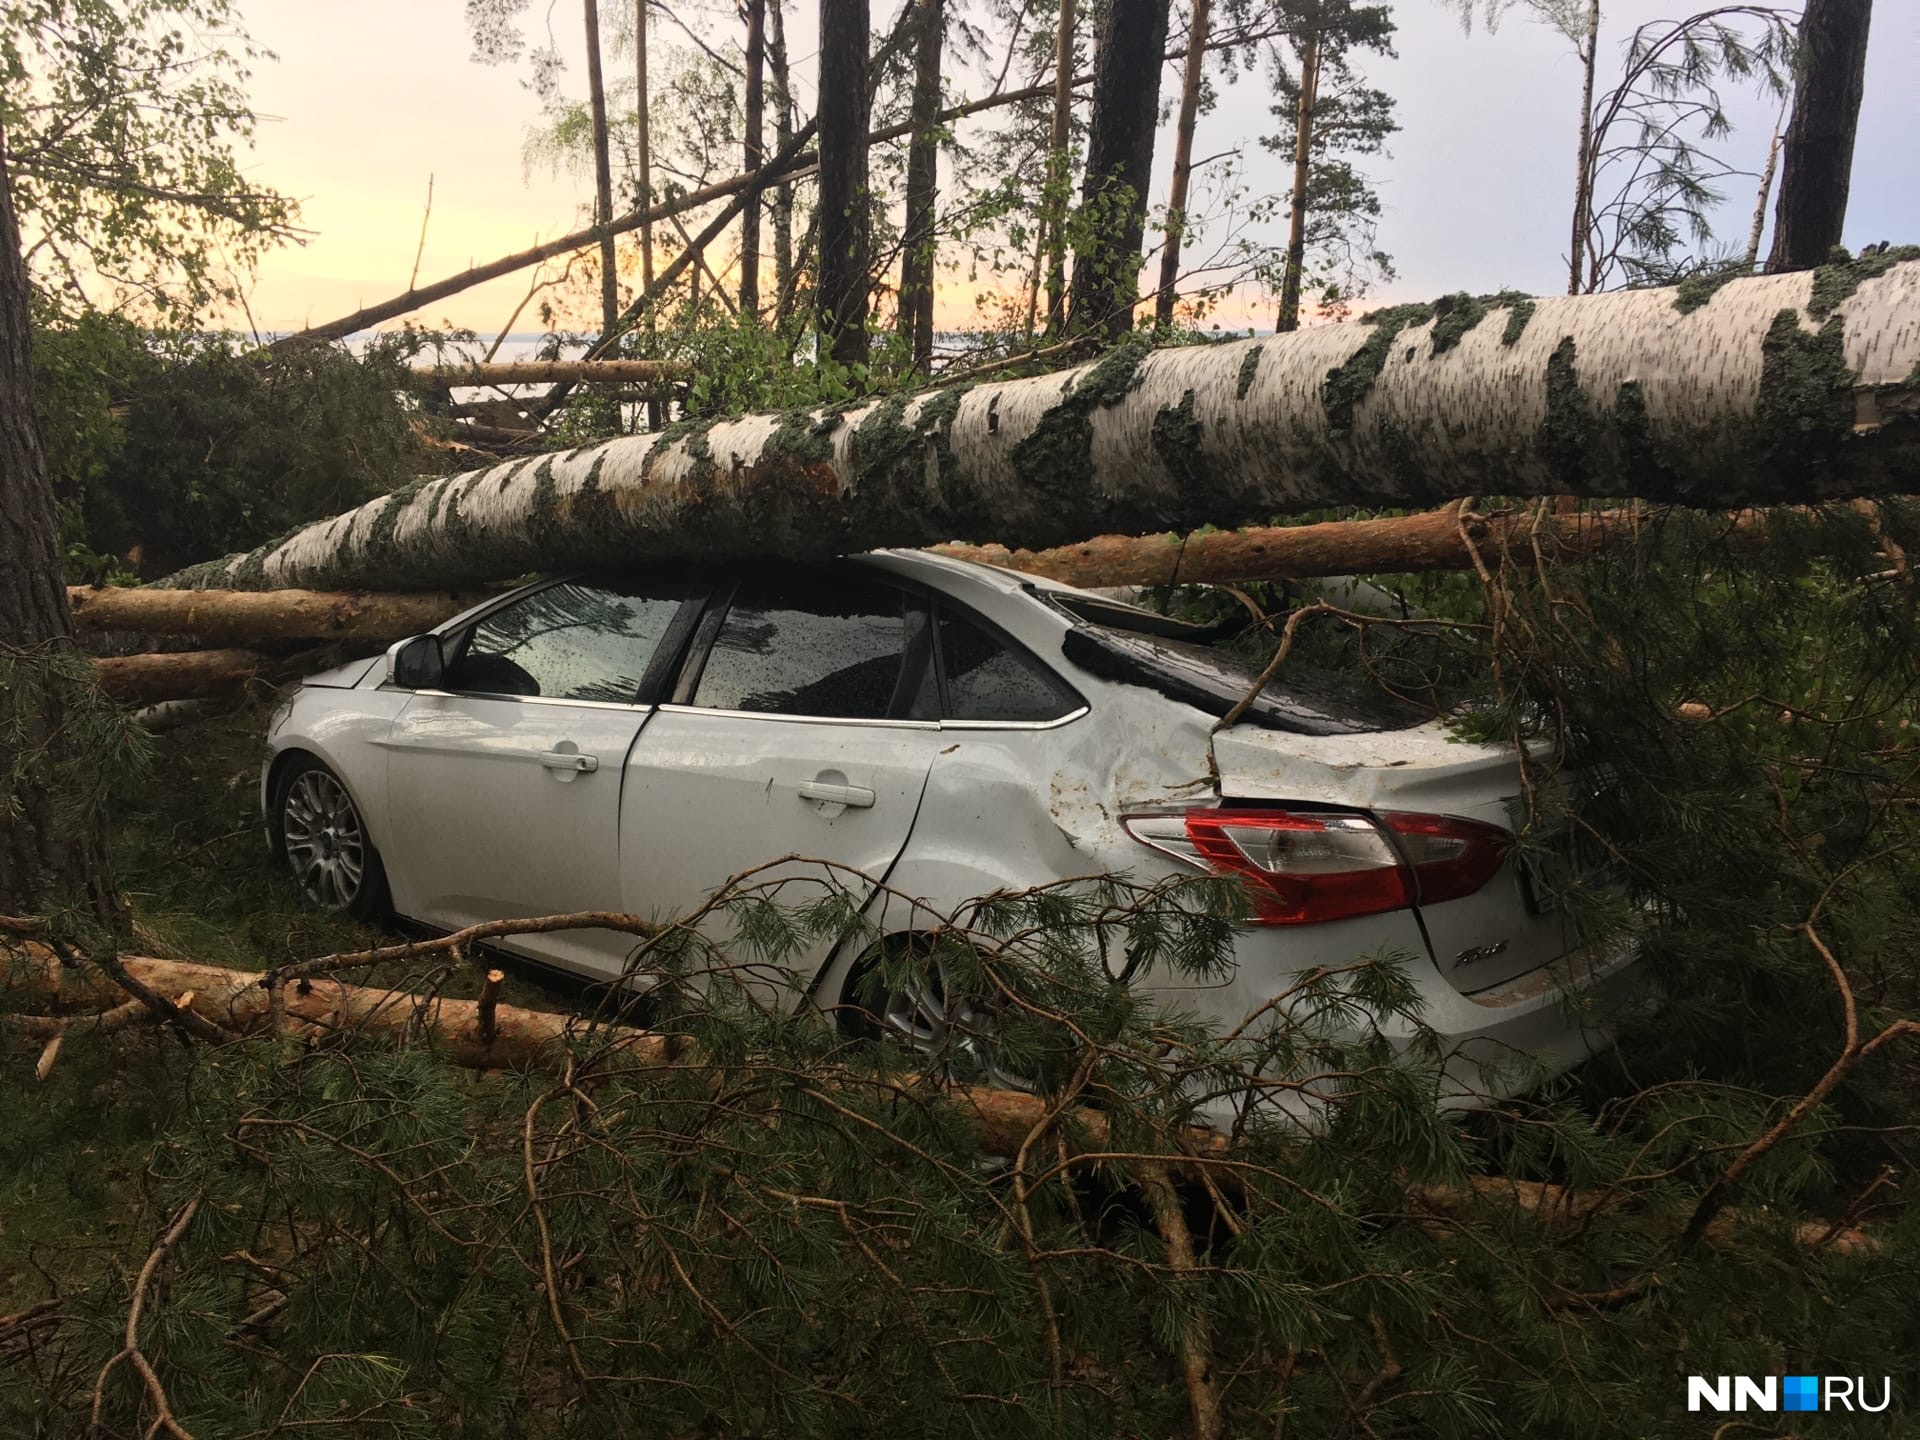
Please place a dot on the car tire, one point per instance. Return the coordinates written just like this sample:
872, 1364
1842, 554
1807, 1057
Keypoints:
960, 1042
320, 834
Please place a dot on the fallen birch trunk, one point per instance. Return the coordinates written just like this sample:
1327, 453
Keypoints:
1797, 387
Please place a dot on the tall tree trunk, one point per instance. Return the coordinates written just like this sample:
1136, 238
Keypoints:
756, 15
1584, 161
1053, 216
643, 175
790, 165
1290, 281
844, 219
1128, 55
1759, 225
1817, 172
46, 857
602, 174
1033, 277
1182, 160
1727, 403
643, 143
917, 243
780, 77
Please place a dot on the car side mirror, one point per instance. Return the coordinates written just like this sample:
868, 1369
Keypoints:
417, 664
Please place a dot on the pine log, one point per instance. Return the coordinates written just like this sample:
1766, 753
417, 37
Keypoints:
552, 372
1424, 541
790, 165
1429, 540
249, 617
236, 1001
187, 675
1772, 388
496, 436
482, 1034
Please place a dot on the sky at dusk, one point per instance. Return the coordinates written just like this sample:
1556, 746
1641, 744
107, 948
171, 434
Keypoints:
368, 98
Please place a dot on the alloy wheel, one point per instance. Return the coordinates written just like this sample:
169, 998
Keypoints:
325, 842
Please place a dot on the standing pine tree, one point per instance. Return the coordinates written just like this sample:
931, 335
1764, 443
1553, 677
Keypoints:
1192, 77
754, 154
41, 858
1331, 117
1129, 48
917, 239
844, 211
1831, 69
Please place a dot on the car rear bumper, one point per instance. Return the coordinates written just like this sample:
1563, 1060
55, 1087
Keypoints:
1490, 1046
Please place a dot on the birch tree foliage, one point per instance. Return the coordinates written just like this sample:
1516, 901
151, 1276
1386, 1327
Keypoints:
1782, 387
1651, 149
122, 121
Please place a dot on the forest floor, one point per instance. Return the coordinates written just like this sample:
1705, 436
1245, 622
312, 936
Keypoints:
192, 857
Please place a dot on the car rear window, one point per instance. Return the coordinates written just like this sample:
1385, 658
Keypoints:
1302, 699
829, 646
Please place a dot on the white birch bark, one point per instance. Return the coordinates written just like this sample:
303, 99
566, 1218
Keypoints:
1796, 387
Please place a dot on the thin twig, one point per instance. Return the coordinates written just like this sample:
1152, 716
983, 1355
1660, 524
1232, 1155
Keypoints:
130, 1350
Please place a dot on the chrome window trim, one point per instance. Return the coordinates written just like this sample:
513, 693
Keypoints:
1067, 719
802, 719
518, 699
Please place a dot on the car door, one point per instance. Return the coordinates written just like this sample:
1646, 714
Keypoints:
792, 733
504, 785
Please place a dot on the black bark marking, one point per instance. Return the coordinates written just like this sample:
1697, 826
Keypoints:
1347, 385
1248, 366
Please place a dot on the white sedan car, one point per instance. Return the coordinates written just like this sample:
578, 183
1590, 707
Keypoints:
951, 730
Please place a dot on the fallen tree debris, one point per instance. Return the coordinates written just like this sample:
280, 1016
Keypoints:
484, 1034
1428, 540
184, 675
248, 617
551, 372
238, 1001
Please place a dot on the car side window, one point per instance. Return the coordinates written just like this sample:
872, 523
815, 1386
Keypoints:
829, 645
988, 679
573, 641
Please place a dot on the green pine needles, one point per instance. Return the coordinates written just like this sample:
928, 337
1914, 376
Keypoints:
796, 1230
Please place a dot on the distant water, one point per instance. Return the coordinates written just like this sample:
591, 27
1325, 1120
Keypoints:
514, 346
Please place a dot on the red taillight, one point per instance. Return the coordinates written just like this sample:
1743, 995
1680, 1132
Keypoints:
1452, 857
1305, 868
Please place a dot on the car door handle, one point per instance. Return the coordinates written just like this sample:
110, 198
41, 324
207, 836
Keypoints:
855, 797
570, 760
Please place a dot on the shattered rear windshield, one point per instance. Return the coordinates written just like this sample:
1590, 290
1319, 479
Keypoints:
1190, 663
